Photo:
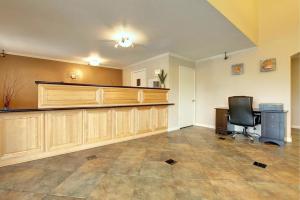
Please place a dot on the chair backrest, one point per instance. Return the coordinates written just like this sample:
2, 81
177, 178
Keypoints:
241, 111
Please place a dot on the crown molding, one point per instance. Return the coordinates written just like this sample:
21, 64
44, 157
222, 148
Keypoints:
181, 57
229, 54
147, 60
170, 54
59, 60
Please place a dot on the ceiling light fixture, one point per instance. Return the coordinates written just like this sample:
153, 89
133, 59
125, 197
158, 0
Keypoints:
124, 40
94, 61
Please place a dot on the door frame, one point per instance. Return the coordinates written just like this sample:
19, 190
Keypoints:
179, 103
139, 70
294, 56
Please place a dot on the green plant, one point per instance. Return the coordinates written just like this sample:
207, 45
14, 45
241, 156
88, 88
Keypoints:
162, 77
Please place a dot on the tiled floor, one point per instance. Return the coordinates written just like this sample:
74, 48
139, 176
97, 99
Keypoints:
206, 168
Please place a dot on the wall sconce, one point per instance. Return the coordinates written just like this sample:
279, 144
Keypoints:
3, 54
75, 75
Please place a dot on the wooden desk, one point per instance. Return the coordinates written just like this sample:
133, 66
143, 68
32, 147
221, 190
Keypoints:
273, 124
222, 119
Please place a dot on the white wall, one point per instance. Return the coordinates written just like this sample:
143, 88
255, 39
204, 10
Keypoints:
296, 92
215, 82
170, 63
157, 62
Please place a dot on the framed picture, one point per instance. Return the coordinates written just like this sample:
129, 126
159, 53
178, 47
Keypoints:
268, 65
138, 82
153, 83
237, 69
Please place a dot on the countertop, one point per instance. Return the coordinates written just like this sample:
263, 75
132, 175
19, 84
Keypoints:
95, 85
79, 108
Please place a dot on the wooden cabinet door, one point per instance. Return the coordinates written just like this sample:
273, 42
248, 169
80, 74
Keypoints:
143, 120
63, 129
155, 96
97, 125
124, 122
160, 117
21, 134
54, 96
120, 96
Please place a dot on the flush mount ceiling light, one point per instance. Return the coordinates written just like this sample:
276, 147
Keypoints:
123, 37
124, 40
94, 61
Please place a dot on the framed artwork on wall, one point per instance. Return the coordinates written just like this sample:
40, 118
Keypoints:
153, 83
268, 65
237, 69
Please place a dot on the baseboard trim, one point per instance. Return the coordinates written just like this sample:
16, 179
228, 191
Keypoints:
287, 139
173, 129
296, 127
204, 125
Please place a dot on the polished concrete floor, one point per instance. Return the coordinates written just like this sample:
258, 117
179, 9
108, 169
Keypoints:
207, 168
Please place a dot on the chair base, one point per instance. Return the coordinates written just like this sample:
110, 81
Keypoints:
244, 133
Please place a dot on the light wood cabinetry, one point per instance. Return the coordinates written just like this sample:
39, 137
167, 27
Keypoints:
124, 122
33, 135
76, 95
160, 117
21, 134
120, 95
106, 115
63, 129
97, 125
53, 96
155, 96
143, 120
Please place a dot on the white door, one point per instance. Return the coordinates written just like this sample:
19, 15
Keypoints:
186, 96
138, 78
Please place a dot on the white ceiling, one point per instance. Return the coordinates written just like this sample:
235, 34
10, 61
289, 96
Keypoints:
73, 29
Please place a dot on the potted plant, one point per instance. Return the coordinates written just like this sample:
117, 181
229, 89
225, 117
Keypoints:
162, 78
10, 88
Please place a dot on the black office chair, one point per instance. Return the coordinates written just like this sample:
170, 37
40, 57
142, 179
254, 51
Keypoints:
241, 114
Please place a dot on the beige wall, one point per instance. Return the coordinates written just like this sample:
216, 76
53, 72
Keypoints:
27, 70
278, 38
296, 92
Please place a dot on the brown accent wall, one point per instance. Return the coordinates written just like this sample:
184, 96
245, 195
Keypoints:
27, 70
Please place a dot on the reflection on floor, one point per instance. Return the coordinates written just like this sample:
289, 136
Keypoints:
206, 168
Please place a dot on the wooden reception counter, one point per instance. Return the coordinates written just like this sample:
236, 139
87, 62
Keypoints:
72, 117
